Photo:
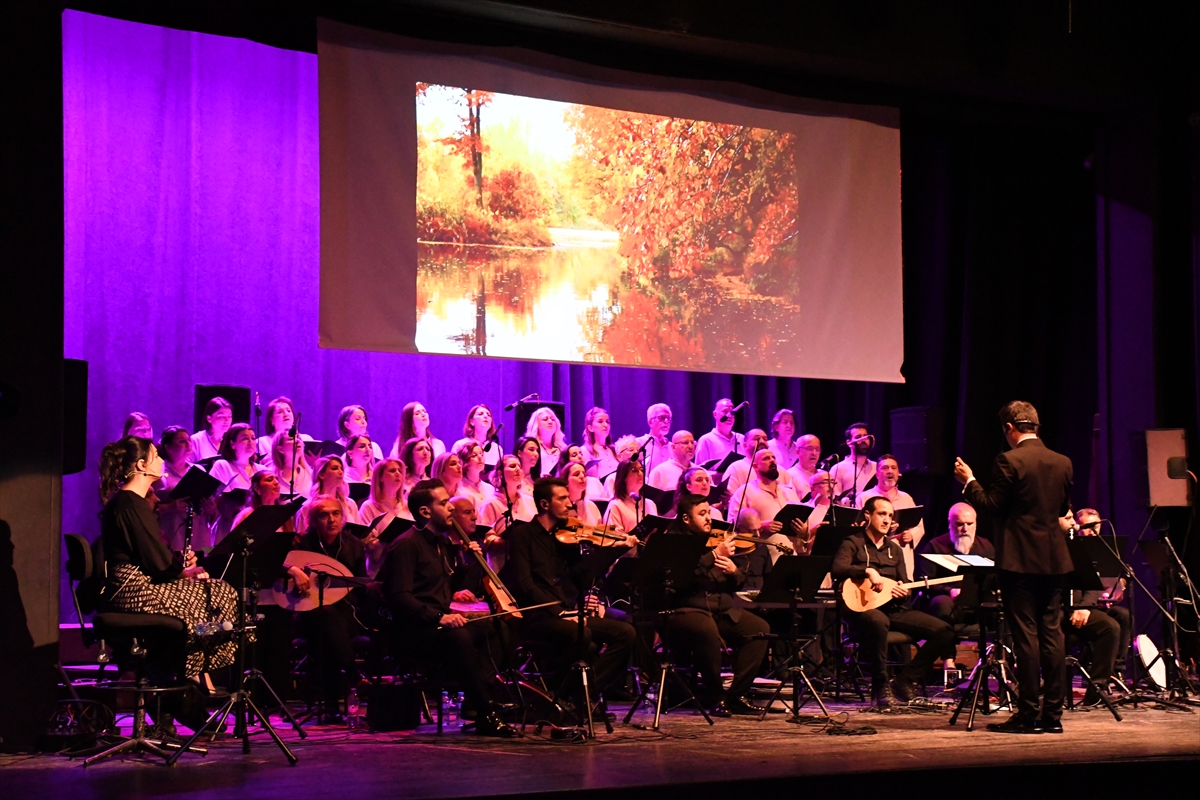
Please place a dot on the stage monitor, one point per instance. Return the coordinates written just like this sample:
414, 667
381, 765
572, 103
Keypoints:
507, 204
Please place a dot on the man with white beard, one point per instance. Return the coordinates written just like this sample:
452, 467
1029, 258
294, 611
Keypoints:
942, 601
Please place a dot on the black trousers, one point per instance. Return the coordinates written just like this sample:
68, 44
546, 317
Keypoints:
871, 629
330, 632
700, 633
562, 635
946, 608
1033, 604
1103, 632
462, 653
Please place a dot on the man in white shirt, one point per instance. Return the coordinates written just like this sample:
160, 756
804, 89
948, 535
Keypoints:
767, 495
821, 486
887, 476
858, 464
666, 475
656, 443
739, 471
721, 440
809, 448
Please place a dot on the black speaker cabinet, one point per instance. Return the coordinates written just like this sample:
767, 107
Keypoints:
75, 409
918, 440
238, 397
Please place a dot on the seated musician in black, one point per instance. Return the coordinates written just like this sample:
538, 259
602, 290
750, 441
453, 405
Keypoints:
872, 555
1105, 628
540, 569
467, 580
330, 629
708, 614
417, 574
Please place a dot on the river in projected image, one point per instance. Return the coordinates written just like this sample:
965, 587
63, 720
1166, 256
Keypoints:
576, 301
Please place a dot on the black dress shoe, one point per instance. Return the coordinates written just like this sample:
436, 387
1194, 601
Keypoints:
721, 709
1014, 725
903, 688
493, 726
882, 698
757, 709
1051, 725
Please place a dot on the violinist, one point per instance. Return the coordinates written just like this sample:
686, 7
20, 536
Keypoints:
709, 617
540, 569
418, 578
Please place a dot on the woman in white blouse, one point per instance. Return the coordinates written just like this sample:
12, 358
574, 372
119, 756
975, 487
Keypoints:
290, 465
281, 415
473, 486
218, 416
577, 484
387, 494
414, 424
545, 426
352, 422
481, 427
695, 480
360, 458
627, 507
598, 454
329, 480
176, 450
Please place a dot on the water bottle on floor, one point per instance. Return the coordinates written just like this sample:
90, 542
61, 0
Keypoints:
352, 709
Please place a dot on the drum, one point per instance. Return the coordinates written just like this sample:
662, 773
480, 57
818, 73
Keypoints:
1152, 660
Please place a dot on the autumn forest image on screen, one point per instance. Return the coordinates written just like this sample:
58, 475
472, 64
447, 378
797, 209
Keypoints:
566, 232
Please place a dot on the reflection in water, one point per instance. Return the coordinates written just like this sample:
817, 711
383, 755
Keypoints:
574, 302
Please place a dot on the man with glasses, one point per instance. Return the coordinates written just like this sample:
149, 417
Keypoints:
803, 470
657, 443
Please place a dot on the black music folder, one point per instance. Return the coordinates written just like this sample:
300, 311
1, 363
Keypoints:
196, 484
720, 465
397, 526
359, 492
793, 511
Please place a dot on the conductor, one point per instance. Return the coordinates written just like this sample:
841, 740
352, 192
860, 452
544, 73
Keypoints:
1028, 492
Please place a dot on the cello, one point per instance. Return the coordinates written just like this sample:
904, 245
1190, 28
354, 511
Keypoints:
501, 599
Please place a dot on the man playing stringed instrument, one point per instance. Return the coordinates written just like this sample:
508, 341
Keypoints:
872, 556
417, 575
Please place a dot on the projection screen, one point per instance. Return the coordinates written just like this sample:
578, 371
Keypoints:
506, 204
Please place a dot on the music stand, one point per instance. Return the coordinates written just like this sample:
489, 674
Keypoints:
667, 565
992, 659
1085, 577
794, 580
255, 541
194, 486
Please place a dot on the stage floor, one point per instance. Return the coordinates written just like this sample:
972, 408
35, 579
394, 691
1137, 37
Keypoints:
688, 758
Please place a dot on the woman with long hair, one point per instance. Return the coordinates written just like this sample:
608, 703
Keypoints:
142, 575
694, 480
626, 448
360, 458
596, 490
599, 456
352, 422
414, 424
387, 493
577, 485
448, 469
233, 469
218, 416
264, 491
138, 424
281, 416
290, 465
329, 480
510, 505
627, 508
529, 453
545, 426
417, 455
481, 427
176, 450
473, 486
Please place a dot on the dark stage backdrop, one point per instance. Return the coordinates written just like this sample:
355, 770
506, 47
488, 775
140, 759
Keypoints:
192, 257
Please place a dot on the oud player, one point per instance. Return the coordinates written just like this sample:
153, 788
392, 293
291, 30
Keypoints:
869, 554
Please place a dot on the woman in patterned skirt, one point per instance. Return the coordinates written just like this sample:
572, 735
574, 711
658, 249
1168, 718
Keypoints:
143, 575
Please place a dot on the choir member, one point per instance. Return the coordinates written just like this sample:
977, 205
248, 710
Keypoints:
414, 424
859, 465
329, 480
739, 471
351, 422
138, 424
233, 469
577, 484
281, 416
628, 508
783, 435
387, 494
481, 427
473, 486
529, 451
767, 494
657, 441
596, 489
722, 439
176, 449
666, 475
511, 502
545, 426
264, 491
820, 498
360, 458
417, 455
290, 465
143, 576
218, 416
809, 449
598, 455
698, 481
448, 469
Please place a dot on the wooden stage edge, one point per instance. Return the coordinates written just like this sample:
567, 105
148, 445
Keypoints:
908, 752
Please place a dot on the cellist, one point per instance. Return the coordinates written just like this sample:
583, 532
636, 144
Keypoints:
418, 578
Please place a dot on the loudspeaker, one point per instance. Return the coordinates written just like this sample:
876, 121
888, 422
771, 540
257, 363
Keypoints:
75, 405
918, 439
1161, 446
238, 397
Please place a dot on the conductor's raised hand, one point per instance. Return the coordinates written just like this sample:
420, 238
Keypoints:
962, 472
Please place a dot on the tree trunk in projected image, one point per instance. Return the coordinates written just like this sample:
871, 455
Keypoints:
692, 198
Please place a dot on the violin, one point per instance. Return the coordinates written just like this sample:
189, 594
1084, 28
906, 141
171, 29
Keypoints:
574, 530
501, 598
742, 541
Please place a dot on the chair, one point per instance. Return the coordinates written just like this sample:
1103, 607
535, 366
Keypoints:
140, 642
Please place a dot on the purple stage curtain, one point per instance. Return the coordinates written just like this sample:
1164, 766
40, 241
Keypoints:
192, 203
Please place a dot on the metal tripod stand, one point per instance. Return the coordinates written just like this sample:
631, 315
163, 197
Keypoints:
993, 662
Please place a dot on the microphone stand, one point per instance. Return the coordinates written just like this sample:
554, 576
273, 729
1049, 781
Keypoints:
294, 435
745, 487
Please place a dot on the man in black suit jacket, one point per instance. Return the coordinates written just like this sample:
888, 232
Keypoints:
1029, 492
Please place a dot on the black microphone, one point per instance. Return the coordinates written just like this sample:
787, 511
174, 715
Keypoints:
295, 427
829, 461
740, 406
524, 399
637, 456
492, 438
